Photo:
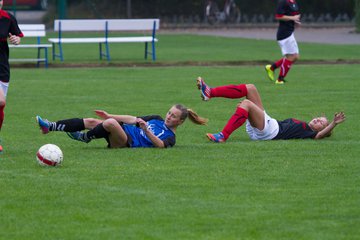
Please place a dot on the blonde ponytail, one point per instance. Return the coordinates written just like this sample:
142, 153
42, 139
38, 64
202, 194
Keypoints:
193, 116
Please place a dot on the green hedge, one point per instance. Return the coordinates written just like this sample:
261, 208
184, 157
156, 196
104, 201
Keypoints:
162, 8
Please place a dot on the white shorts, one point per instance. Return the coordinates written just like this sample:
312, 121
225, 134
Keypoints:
4, 86
271, 129
289, 45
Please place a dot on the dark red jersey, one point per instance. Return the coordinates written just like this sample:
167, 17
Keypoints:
8, 24
294, 129
286, 8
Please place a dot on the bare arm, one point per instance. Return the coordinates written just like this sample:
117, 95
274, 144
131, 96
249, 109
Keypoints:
338, 118
128, 119
295, 18
154, 139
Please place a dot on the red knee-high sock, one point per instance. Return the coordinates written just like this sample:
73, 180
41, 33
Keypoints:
277, 64
2, 115
235, 121
284, 69
229, 91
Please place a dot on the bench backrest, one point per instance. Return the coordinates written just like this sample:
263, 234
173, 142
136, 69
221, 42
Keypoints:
106, 24
33, 30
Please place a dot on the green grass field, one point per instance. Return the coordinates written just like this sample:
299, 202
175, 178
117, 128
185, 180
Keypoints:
299, 189
182, 49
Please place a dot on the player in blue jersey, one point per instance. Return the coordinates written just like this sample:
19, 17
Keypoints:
259, 125
125, 130
288, 15
9, 29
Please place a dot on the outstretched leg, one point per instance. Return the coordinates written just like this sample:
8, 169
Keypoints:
230, 91
109, 129
67, 125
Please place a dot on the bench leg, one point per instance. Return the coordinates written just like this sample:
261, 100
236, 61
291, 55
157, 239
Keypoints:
53, 51
60, 55
46, 57
100, 51
38, 57
61, 52
107, 51
153, 51
146, 50
153, 54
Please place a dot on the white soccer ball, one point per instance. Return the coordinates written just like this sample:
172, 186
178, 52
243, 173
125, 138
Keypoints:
49, 155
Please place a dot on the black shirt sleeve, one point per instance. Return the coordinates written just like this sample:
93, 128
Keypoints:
14, 27
169, 142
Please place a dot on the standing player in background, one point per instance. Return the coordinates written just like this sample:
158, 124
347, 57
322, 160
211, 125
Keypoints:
8, 29
288, 15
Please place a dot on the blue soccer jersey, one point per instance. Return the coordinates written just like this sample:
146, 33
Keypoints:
138, 138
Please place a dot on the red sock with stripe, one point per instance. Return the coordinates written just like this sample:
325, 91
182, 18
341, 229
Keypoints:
2, 115
277, 64
284, 69
235, 122
229, 91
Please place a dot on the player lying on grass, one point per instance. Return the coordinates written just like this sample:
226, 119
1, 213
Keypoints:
124, 130
259, 125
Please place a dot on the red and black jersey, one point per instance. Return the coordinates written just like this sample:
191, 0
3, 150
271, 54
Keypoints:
294, 129
286, 8
8, 24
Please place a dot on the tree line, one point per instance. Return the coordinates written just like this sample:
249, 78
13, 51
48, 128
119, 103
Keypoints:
158, 8
170, 9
